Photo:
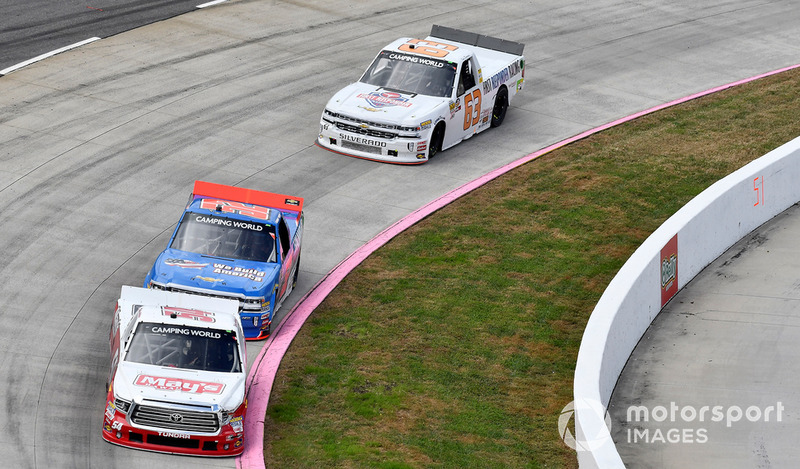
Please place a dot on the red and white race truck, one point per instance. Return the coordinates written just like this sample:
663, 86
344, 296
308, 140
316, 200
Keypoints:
422, 96
178, 370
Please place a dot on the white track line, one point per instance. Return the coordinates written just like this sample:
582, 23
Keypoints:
215, 2
10, 69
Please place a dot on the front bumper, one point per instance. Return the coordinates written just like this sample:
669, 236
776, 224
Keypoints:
256, 325
399, 150
117, 430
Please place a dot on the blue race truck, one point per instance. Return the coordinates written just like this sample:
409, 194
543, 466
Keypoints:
237, 243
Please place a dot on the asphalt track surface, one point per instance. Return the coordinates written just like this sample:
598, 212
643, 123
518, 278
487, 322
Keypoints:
99, 148
30, 28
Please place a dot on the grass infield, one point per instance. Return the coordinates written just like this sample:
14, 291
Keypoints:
454, 345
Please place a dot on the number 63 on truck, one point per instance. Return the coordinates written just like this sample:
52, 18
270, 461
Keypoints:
422, 96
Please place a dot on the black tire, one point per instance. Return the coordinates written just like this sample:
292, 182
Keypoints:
436, 141
500, 107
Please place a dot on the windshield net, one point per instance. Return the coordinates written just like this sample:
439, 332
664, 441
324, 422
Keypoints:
411, 74
211, 235
190, 348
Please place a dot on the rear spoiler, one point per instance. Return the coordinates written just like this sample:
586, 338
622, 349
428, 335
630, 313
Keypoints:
248, 196
479, 40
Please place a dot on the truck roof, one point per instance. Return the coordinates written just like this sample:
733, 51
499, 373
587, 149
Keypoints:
180, 308
495, 53
401, 46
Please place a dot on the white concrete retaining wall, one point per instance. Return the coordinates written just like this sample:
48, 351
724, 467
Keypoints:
705, 227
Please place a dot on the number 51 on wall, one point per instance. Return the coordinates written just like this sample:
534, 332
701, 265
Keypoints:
758, 187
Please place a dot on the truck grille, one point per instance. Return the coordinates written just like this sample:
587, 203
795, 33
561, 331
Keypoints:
175, 419
366, 131
377, 129
360, 147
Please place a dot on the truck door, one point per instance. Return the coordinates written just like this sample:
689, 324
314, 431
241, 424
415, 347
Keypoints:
114, 342
286, 255
469, 100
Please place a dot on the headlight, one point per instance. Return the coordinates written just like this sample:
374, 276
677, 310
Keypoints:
122, 405
156, 286
253, 301
253, 304
225, 417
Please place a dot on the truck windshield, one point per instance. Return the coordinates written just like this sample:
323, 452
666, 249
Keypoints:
411, 74
211, 235
186, 347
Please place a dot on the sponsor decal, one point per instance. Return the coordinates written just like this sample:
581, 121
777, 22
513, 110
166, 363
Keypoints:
209, 279
237, 425
177, 384
238, 208
230, 223
185, 331
362, 141
182, 436
252, 274
425, 125
380, 99
669, 270
111, 410
417, 60
194, 314
455, 107
501, 77
186, 264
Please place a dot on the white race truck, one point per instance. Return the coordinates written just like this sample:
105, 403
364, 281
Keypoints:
177, 380
422, 96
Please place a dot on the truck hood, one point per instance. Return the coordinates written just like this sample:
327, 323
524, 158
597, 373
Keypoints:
223, 275
375, 104
135, 381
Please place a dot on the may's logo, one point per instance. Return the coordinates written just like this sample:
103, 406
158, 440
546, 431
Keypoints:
669, 270
182, 385
379, 99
